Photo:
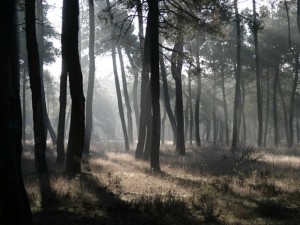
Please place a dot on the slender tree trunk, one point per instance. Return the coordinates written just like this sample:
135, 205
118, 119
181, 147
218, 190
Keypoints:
24, 105
285, 115
126, 97
166, 94
70, 28
191, 110
275, 116
119, 97
258, 88
36, 89
144, 90
198, 96
40, 39
267, 110
14, 204
225, 108
163, 126
176, 67
91, 82
244, 137
235, 134
149, 126
214, 108
134, 90
62, 114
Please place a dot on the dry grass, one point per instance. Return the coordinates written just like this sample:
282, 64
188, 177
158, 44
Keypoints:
205, 186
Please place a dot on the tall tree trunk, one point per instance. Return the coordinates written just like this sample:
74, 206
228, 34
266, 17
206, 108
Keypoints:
235, 134
166, 94
62, 113
163, 126
225, 108
284, 111
243, 100
275, 116
292, 105
144, 92
258, 88
198, 96
91, 82
134, 90
24, 104
148, 144
14, 204
176, 67
126, 96
267, 110
295, 82
154, 81
119, 97
40, 39
191, 109
36, 89
214, 108
70, 44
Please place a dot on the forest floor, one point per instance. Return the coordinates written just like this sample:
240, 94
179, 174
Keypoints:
210, 185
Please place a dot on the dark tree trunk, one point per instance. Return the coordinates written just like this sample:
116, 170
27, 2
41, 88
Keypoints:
275, 116
243, 100
144, 92
198, 97
176, 67
126, 97
134, 90
90, 90
70, 44
148, 144
284, 111
14, 204
292, 106
258, 88
36, 89
24, 104
163, 126
62, 113
225, 108
267, 110
214, 108
119, 97
191, 110
166, 94
237, 97
186, 119
154, 80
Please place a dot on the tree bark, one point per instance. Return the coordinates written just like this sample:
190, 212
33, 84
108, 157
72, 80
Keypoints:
126, 96
267, 109
134, 90
214, 108
154, 80
90, 90
286, 124
119, 97
191, 110
225, 108
236, 110
275, 116
258, 88
14, 204
176, 67
70, 44
198, 96
144, 92
166, 94
36, 89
